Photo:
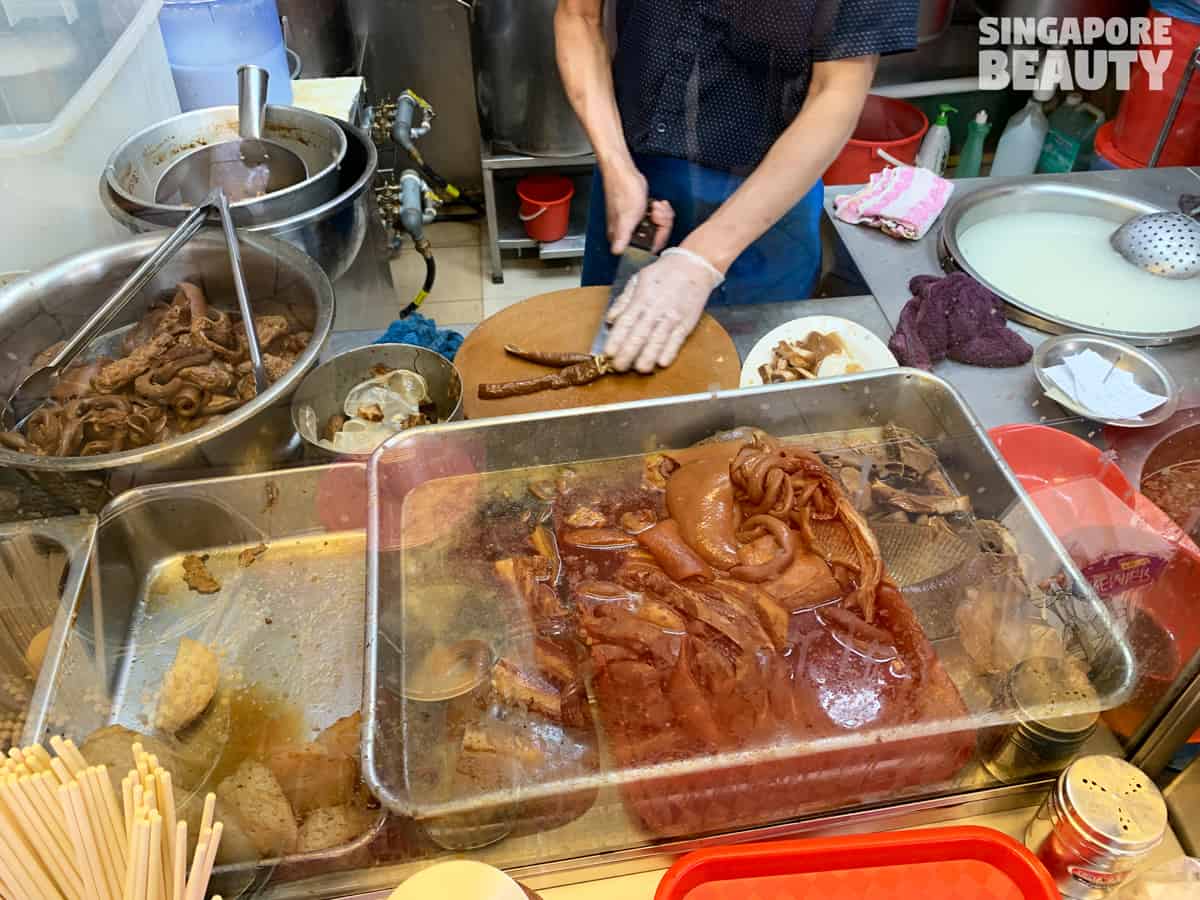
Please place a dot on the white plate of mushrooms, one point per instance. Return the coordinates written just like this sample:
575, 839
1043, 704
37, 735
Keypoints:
814, 347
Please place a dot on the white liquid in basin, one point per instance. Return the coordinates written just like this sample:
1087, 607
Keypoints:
1063, 264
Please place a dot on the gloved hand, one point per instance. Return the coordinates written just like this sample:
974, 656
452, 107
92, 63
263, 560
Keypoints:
658, 310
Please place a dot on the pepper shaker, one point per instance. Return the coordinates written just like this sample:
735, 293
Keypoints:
1056, 711
1101, 820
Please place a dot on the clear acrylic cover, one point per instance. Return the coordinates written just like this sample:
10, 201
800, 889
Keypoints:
575, 618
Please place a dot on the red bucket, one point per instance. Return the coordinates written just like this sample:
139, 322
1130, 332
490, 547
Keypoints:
1108, 155
1143, 111
886, 124
545, 205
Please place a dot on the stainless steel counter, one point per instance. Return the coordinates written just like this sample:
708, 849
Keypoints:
1000, 396
997, 396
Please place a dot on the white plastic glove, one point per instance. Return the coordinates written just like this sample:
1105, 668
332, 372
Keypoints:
658, 310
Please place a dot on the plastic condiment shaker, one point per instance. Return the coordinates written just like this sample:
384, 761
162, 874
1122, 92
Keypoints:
1100, 821
1056, 710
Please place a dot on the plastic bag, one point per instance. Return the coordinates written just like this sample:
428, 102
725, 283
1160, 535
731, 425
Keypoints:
1177, 880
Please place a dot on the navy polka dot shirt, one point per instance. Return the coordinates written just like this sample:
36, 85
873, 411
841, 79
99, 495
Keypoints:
717, 81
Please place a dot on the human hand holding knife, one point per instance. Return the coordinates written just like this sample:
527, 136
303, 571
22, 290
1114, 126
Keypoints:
639, 252
655, 301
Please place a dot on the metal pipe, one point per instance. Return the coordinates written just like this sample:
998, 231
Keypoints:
404, 132
1184, 83
412, 204
402, 122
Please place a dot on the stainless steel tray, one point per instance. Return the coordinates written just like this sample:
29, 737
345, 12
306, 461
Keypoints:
915, 401
290, 622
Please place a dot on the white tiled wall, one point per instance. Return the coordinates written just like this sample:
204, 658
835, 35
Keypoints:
463, 292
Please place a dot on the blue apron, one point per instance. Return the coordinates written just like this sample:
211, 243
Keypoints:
783, 264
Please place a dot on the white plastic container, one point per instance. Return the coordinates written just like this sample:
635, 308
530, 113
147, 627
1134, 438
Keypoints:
49, 171
935, 149
1021, 144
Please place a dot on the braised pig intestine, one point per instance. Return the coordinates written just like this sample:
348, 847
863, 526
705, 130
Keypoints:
185, 363
730, 501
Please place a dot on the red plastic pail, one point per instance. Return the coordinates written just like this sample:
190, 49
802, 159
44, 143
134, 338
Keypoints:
545, 205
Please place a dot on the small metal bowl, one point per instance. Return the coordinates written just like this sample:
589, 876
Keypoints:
1147, 372
324, 389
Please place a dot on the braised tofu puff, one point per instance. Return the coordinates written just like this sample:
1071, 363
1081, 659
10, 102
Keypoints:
188, 687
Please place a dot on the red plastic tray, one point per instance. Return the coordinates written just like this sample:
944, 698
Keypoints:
933, 864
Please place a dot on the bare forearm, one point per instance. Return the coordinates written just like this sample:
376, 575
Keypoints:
583, 63
793, 165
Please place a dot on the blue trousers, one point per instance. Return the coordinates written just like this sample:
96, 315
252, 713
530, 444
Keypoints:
783, 264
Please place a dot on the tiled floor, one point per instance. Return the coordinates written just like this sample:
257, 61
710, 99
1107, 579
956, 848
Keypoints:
463, 292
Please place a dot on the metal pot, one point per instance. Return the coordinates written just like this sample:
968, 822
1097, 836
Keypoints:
331, 233
134, 169
933, 19
1042, 194
46, 306
522, 104
324, 389
1060, 9
318, 32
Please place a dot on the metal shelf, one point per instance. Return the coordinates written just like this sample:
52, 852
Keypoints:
510, 232
501, 172
493, 161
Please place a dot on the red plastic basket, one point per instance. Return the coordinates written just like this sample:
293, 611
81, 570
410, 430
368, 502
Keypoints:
934, 864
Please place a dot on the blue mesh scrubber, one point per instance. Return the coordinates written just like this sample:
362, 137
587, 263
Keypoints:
419, 330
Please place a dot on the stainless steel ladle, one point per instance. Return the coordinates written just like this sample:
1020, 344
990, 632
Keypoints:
245, 168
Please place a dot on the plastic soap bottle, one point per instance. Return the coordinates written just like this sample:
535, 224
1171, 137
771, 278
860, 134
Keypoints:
971, 157
1021, 143
1071, 139
935, 149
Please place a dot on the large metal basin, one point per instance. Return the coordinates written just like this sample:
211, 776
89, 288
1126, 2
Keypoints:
49, 305
1044, 195
332, 232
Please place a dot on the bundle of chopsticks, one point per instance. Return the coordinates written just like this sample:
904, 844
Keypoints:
65, 836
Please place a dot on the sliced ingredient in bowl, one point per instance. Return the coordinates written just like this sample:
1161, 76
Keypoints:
816, 355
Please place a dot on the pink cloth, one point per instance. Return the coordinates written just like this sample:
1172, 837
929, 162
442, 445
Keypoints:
901, 201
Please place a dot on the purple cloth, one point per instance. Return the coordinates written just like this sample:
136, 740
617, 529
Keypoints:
959, 318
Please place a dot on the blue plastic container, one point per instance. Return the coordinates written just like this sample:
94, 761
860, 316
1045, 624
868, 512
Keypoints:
208, 39
1187, 10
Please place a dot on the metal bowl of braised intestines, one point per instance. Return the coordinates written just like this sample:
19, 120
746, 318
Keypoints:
107, 423
319, 406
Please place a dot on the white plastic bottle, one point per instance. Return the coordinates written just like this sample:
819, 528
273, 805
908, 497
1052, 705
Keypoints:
935, 149
1021, 143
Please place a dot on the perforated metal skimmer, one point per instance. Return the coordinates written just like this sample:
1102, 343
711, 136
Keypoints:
1102, 818
1166, 244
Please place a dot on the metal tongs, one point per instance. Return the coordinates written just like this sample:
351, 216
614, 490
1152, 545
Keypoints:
36, 387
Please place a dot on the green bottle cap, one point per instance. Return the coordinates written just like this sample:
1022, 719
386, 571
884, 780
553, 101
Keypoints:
942, 118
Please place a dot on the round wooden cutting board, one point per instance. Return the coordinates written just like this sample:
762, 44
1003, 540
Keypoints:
566, 321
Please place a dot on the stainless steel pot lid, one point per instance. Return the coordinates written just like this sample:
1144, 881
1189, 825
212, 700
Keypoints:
1083, 298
